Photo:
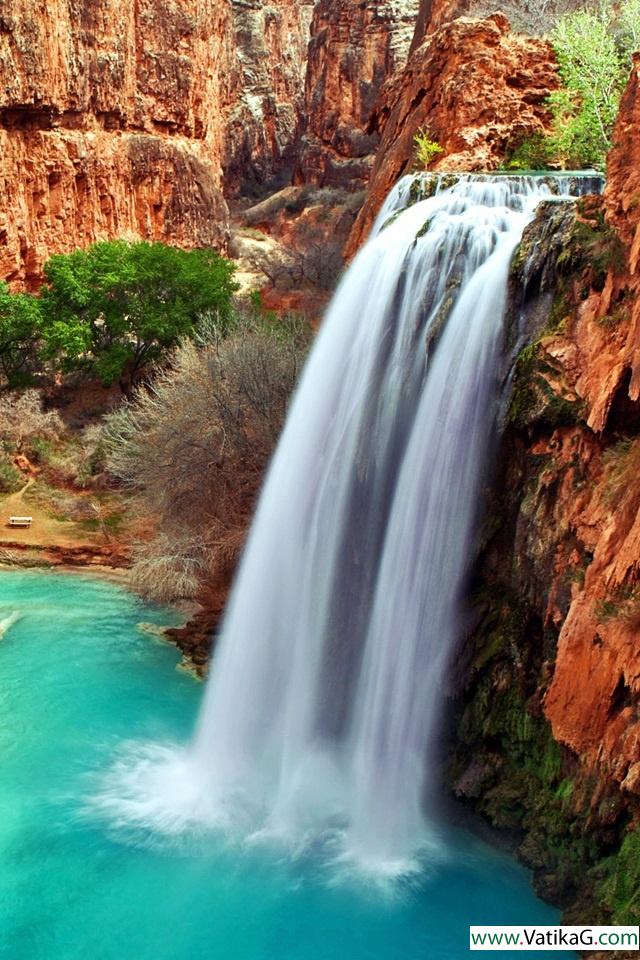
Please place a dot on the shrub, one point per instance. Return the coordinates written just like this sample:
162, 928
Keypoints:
593, 49
19, 335
620, 889
193, 446
10, 477
593, 70
530, 154
117, 306
22, 419
425, 149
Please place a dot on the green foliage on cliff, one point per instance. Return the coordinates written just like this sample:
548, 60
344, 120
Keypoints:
593, 49
426, 150
117, 306
620, 889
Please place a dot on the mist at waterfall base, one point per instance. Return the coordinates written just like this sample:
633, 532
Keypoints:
78, 676
320, 721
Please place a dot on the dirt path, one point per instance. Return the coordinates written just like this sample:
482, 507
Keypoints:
45, 531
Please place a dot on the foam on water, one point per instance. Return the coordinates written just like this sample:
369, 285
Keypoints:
79, 677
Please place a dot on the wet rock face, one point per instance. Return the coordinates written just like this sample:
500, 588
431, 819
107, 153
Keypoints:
475, 87
354, 49
572, 457
110, 125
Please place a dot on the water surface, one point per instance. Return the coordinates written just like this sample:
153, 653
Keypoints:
77, 679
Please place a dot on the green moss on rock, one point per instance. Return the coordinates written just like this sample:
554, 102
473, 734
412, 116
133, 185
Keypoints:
619, 889
534, 399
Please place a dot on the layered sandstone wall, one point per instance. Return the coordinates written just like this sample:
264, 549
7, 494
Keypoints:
138, 119
354, 49
110, 125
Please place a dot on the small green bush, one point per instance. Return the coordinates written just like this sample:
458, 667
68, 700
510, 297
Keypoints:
425, 149
40, 449
530, 154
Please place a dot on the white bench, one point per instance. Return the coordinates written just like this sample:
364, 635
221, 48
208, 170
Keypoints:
20, 521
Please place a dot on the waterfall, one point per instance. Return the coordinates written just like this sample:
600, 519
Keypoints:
320, 718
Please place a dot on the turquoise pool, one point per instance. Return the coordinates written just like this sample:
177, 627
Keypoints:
77, 680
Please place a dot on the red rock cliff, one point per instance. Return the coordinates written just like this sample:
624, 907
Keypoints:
475, 87
267, 76
110, 125
595, 691
570, 554
130, 119
353, 50
133, 119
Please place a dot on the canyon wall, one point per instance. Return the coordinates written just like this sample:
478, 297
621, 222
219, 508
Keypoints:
110, 125
142, 119
134, 119
475, 87
476, 90
597, 669
354, 48
266, 77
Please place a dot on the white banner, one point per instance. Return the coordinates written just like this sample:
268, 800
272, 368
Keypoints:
554, 938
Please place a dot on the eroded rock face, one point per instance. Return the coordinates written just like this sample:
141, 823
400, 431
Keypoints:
110, 125
354, 48
477, 88
594, 696
528, 16
267, 77
547, 739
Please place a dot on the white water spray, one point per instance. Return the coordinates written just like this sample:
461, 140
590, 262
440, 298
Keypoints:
326, 687
8, 620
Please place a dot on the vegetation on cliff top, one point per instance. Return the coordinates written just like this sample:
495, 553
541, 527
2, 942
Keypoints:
593, 49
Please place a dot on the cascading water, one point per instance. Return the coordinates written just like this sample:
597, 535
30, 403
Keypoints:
322, 708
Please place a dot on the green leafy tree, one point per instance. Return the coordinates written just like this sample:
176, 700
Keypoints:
20, 321
629, 23
115, 307
593, 48
593, 70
